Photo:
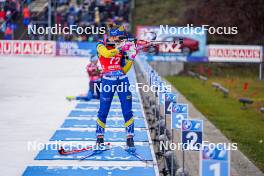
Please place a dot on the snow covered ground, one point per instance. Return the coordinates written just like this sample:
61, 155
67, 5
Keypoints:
33, 105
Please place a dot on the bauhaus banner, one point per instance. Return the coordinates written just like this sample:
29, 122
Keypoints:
235, 53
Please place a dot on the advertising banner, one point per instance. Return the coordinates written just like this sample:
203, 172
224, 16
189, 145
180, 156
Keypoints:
192, 134
27, 48
235, 53
263, 54
172, 58
179, 112
215, 161
83, 49
170, 98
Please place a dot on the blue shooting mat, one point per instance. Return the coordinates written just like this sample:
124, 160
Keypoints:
88, 170
134, 95
96, 106
116, 113
91, 123
113, 135
116, 153
134, 99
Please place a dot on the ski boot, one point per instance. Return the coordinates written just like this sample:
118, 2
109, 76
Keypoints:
99, 141
130, 148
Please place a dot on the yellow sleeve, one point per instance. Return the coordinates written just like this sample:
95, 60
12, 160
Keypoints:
127, 67
103, 51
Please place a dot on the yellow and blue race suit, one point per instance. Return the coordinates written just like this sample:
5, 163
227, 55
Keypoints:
114, 66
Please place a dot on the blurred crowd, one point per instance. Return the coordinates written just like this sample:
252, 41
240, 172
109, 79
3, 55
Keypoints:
97, 13
13, 13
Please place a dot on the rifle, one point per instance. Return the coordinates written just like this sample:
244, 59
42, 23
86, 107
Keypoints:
141, 44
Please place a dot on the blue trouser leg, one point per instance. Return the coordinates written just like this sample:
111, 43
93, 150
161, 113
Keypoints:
93, 88
97, 89
125, 98
106, 98
88, 97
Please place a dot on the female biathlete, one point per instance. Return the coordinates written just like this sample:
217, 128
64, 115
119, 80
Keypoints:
115, 64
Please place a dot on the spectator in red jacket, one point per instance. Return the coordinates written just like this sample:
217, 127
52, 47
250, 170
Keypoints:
26, 16
8, 33
2, 15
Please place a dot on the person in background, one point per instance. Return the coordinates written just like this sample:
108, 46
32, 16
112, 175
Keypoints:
2, 15
94, 74
26, 16
8, 33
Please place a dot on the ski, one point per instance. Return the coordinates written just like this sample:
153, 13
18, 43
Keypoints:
92, 153
96, 152
135, 154
62, 151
